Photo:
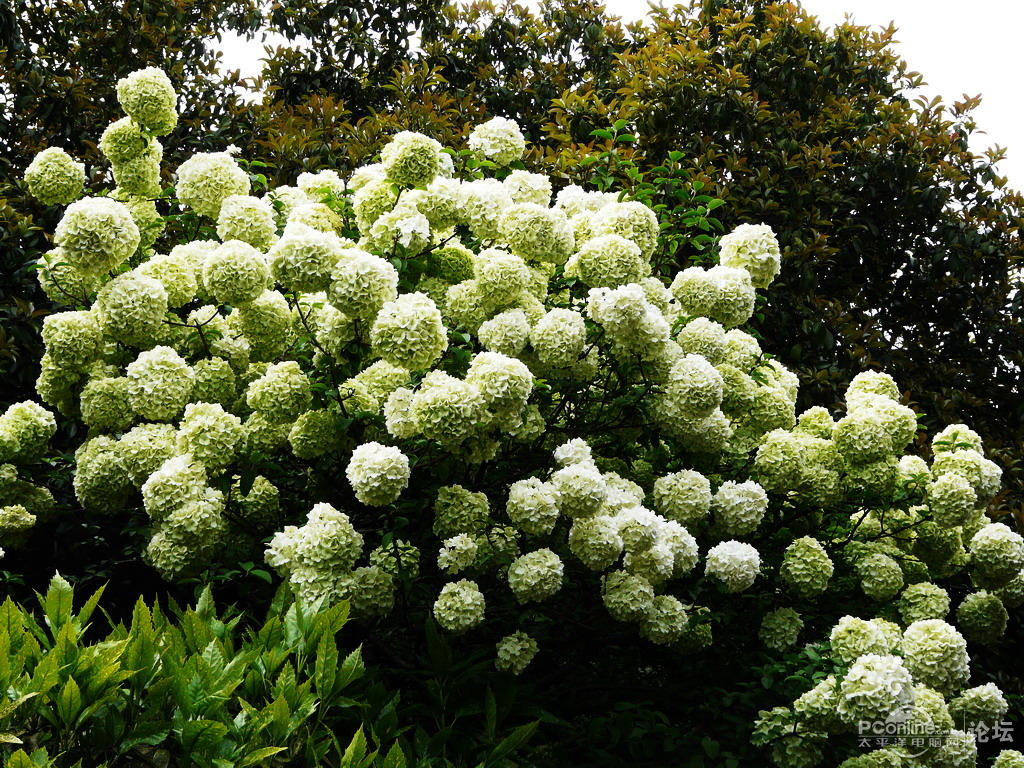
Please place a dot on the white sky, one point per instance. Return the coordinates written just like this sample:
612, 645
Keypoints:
959, 48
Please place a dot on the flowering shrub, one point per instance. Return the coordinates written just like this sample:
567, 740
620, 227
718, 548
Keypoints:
464, 380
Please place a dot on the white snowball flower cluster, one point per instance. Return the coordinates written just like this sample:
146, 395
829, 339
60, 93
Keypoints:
147, 97
874, 688
205, 181
460, 606
499, 139
54, 177
319, 556
96, 234
734, 564
581, 419
378, 473
408, 332
752, 247
738, 508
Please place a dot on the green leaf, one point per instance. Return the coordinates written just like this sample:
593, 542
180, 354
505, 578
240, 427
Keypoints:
512, 742
7, 708
69, 702
149, 733
355, 751
325, 667
490, 714
351, 669
58, 602
259, 755
202, 737
90, 606
395, 757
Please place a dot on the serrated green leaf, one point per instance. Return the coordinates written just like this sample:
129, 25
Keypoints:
511, 743
395, 758
202, 737
58, 602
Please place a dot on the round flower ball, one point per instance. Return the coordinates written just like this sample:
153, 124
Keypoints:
235, 273
280, 394
752, 247
875, 687
159, 384
535, 576
665, 622
54, 178
206, 179
981, 706
147, 97
936, 655
210, 434
303, 258
175, 273
72, 338
780, 629
997, 554
105, 405
923, 601
723, 294
881, 577
458, 553
683, 496
733, 564
62, 283
532, 506
25, 429
265, 324
738, 508
596, 541
460, 606
515, 652
1009, 758
398, 557
178, 481
537, 233
361, 284
610, 261
630, 219
627, 597
249, 219
123, 141
507, 332
96, 234
982, 617
143, 449
559, 337
131, 308
498, 140
411, 159
408, 332
139, 176
378, 473
853, 637
581, 490
325, 184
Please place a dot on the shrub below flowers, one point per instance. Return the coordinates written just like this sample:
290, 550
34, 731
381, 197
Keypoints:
458, 360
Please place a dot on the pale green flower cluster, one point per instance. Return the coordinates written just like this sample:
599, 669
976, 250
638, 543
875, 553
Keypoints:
25, 431
499, 139
915, 680
499, 368
148, 98
378, 473
54, 177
